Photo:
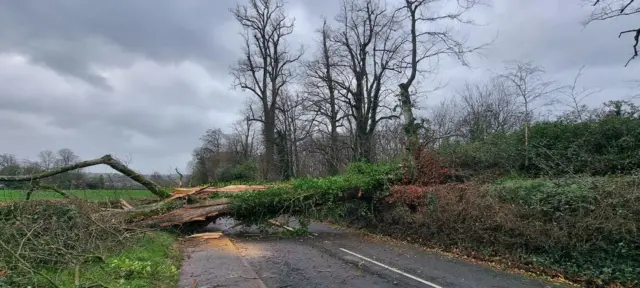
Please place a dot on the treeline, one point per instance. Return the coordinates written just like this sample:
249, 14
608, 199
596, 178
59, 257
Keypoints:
351, 97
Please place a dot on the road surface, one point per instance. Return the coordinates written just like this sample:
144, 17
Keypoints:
333, 257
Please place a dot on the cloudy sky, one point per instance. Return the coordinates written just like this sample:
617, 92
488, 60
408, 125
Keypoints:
143, 79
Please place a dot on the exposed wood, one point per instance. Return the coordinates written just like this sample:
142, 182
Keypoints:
106, 160
207, 190
208, 235
125, 205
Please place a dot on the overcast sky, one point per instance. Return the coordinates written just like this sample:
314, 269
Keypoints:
143, 79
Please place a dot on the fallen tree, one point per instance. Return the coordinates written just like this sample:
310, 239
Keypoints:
251, 204
106, 160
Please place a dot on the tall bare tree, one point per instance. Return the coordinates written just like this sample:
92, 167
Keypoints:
367, 46
324, 95
608, 9
427, 41
266, 66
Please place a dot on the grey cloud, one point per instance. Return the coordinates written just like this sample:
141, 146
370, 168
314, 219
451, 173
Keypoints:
146, 78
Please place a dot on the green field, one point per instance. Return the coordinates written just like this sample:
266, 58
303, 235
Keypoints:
93, 195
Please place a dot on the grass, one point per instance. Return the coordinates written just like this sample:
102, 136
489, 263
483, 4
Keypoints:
152, 261
91, 195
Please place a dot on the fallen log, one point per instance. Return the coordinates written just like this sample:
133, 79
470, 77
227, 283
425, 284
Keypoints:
185, 215
106, 160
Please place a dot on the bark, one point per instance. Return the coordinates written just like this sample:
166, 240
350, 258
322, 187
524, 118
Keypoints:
270, 168
406, 105
185, 215
106, 160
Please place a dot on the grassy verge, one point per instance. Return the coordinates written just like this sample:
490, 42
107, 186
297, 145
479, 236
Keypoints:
151, 261
91, 195
46, 243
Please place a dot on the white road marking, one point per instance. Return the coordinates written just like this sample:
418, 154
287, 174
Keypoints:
392, 269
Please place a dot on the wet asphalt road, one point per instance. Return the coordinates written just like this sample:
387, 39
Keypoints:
333, 258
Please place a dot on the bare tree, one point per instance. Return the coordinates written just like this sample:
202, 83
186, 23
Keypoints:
443, 123
488, 108
266, 66
294, 126
426, 44
575, 96
525, 80
608, 9
367, 46
323, 95
66, 157
47, 159
7, 160
242, 140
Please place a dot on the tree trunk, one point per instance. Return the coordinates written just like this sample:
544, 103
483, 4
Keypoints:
410, 126
269, 169
333, 150
107, 160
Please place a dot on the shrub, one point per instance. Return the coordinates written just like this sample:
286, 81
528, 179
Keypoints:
42, 234
586, 228
244, 172
602, 147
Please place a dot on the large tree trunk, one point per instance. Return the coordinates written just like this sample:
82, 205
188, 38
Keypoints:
269, 169
106, 160
410, 126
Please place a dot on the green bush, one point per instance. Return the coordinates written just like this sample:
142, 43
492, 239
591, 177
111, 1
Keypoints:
607, 146
244, 172
586, 228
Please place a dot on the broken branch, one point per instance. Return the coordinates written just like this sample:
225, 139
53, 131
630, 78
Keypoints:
106, 160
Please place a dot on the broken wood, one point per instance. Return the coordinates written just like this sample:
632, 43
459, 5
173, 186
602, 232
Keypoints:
106, 160
125, 205
278, 224
208, 235
208, 190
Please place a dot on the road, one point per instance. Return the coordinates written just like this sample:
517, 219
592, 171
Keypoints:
333, 257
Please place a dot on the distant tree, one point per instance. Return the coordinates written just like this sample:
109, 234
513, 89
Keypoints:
574, 96
101, 183
488, 108
47, 159
526, 80
69, 179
